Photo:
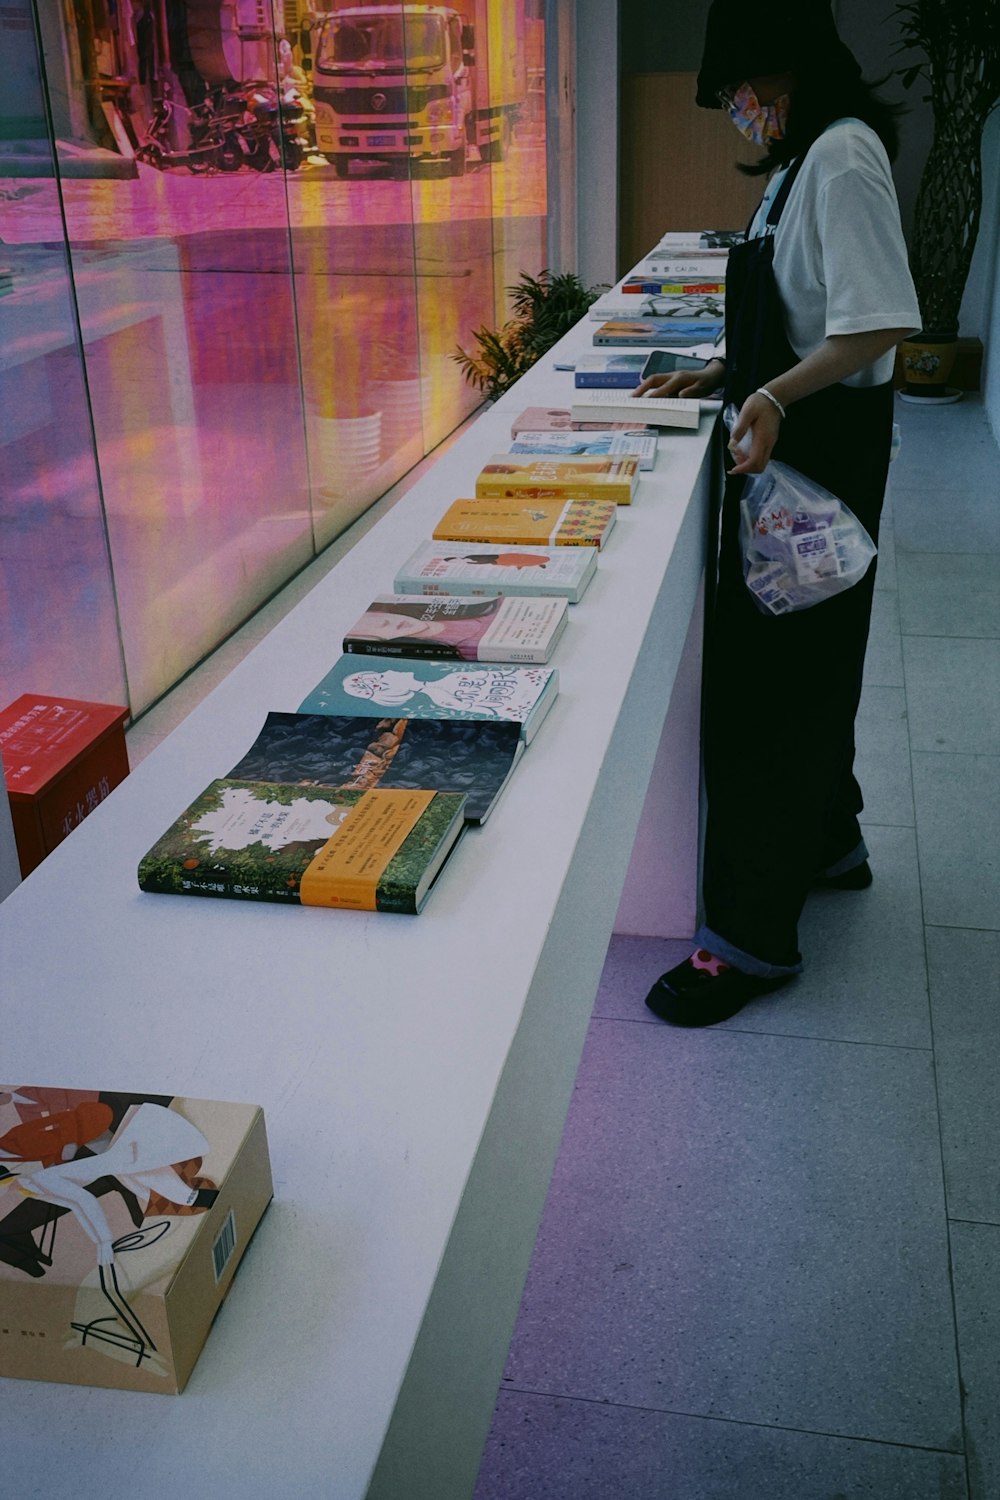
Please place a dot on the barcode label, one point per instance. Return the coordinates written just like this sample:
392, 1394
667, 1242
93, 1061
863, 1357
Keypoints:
225, 1244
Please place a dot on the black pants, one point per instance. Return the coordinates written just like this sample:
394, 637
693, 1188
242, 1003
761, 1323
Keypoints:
781, 695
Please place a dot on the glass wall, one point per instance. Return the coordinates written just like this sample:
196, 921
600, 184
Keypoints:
239, 242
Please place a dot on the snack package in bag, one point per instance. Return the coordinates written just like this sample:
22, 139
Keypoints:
800, 543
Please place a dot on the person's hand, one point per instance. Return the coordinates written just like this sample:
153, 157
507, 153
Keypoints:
761, 419
691, 384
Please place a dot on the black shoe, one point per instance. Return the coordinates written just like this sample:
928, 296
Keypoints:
686, 996
857, 878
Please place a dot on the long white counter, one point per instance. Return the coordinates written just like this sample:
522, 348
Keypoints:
415, 1072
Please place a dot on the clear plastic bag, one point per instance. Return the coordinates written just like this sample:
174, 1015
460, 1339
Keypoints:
800, 543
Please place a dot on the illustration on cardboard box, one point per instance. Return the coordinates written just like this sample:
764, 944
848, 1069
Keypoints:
103, 1197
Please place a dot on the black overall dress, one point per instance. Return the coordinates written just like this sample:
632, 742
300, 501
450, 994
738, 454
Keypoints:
781, 692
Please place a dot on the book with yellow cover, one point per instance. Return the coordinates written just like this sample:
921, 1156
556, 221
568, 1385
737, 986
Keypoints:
373, 850
526, 520
582, 477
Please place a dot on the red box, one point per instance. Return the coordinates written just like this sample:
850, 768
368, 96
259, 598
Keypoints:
61, 757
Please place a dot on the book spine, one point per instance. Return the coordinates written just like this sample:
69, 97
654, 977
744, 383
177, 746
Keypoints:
440, 587
422, 650
675, 288
214, 883
640, 336
617, 492
607, 379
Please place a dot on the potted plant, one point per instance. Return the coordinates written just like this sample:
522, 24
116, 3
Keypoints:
545, 307
960, 43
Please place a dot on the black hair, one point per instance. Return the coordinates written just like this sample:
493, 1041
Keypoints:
816, 101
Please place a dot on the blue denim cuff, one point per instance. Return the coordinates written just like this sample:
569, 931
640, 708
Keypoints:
730, 954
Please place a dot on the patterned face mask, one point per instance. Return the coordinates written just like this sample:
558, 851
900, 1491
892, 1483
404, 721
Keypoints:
760, 123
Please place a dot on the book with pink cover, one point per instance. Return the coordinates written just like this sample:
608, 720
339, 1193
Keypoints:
559, 419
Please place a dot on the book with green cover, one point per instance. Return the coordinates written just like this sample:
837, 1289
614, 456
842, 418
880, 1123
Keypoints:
411, 688
375, 850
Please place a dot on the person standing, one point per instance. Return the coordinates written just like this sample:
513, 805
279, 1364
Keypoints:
818, 296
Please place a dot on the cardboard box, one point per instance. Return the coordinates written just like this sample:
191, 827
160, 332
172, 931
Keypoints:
123, 1218
61, 757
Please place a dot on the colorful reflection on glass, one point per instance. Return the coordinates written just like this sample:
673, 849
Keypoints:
280, 224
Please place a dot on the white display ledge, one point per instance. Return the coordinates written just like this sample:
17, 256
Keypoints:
415, 1072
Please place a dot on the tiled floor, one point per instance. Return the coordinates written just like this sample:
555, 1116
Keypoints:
769, 1265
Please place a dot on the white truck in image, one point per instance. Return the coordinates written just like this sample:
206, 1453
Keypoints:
406, 84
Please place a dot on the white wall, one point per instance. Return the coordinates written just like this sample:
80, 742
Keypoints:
597, 140
984, 283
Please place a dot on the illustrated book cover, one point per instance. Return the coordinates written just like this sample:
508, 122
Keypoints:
305, 845
582, 478
123, 1219
561, 444
608, 370
469, 629
355, 752
417, 689
482, 568
558, 419
662, 411
708, 308
529, 520
666, 333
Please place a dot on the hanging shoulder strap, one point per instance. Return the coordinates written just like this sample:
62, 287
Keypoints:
781, 196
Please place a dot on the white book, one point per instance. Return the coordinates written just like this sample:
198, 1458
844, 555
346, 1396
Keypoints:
469, 628
482, 568
591, 444
659, 411
682, 267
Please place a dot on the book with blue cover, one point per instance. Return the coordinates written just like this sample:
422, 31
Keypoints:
413, 688
641, 445
355, 753
608, 371
665, 333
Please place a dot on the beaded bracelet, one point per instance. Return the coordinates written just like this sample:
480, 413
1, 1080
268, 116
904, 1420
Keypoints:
762, 390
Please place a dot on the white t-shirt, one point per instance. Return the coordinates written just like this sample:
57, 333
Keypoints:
840, 261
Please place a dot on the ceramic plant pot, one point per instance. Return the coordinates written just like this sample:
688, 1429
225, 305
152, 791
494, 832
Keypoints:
928, 360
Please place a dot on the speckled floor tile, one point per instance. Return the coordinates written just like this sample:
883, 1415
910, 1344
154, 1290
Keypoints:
882, 764
943, 593
748, 1227
964, 974
927, 518
957, 801
885, 573
547, 1448
884, 659
953, 694
975, 1250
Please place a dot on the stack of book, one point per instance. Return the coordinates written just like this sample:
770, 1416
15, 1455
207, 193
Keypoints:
359, 798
